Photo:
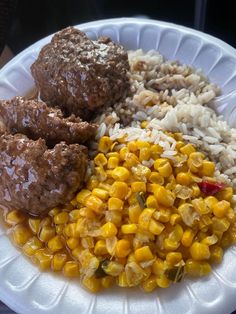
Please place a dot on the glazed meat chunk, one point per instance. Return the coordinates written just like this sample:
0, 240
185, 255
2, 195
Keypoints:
80, 75
36, 120
34, 178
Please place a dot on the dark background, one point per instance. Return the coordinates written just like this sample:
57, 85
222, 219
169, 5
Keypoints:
35, 19
28, 20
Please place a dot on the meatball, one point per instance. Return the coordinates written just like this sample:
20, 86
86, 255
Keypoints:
34, 178
36, 120
80, 75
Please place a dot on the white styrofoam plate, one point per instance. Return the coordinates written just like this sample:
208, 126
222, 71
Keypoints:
26, 290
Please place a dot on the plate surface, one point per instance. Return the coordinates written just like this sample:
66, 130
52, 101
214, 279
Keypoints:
26, 290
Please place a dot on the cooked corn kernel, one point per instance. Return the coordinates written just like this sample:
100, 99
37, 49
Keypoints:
156, 227
119, 190
129, 229
157, 178
115, 203
187, 149
145, 218
55, 244
197, 268
121, 174
164, 196
34, 224
173, 258
112, 162
71, 269
100, 193
31, 246
72, 243
163, 166
94, 203
143, 254
100, 248
123, 248
199, 251
138, 187
58, 261
100, 160
221, 208
104, 144
216, 254
15, 217
187, 237
21, 234
82, 195
61, 218
207, 168
149, 284
43, 258
108, 230
184, 178
134, 213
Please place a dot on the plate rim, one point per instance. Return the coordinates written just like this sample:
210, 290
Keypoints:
7, 298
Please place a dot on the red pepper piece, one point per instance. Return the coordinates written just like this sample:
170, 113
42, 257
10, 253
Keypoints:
211, 188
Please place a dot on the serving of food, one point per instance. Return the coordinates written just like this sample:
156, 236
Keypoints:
117, 171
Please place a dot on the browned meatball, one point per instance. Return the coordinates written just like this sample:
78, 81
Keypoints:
36, 120
34, 178
80, 75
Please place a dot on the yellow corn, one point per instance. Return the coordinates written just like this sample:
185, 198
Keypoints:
216, 254
61, 218
207, 168
100, 248
43, 258
31, 246
72, 243
149, 284
164, 196
173, 258
221, 208
115, 203
15, 217
144, 154
187, 149
151, 201
108, 230
145, 218
71, 269
197, 268
100, 160
175, 219
171, 245
121, 174
100, 193
143, 254
129, 228
156, 151
199, 251
163, 282
122, 248
46, 233
114, 216
132, 146
92, 182
104, 144
58, 261
157, 178
163, 166
119, 190
134, 213
156, 227
34, 225
138, 187
82, 195
162, 214
184, 178
113, 162
55, 244
225, 194
220, 224
122, 280
187, 237
107, 282
195, 190
94, 203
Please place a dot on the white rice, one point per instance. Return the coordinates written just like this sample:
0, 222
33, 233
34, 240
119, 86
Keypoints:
171, 97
